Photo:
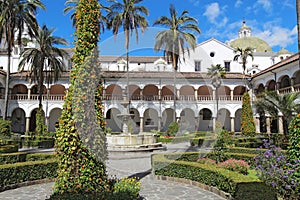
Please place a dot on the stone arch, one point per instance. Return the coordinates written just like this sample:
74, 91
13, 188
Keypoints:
134, 92
150, 92
205, 120
112, 120
239, 90
271, 85
237, 120
260, 89
57, 89
205, 93
224, 118
18, 121
32, 124
35, 89
167, 118
151, 119
285, 82
19, 89
187, 92
54, 116
135, 120
187, 121
113, 92
167, 92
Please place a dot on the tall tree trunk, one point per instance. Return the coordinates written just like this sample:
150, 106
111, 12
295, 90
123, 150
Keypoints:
41, 88
7, 82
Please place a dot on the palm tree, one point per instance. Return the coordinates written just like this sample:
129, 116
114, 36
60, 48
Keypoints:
273, 103
179, 34
131, 17
15, 17
45, 56
216, 72
243, 54
72, 5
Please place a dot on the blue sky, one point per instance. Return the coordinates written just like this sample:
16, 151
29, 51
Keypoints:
270, 20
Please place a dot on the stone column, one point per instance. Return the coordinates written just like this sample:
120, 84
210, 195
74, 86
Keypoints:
197, 123
196, 94
231, 95
214, 124
159, 124
257, 123
47, 121
159, 94
268, 123
232, 124
214, 94
292, 84
27, 125
280, 123
29, 93
141, 124
277, 87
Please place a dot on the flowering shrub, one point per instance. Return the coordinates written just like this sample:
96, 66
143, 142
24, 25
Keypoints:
239, 166
206, 161
274, 169
128, 187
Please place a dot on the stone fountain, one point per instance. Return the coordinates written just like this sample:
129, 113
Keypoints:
127, 141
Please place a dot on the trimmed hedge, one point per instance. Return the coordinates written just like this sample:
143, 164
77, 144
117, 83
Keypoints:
11, 174
9, 148
8, 158
239, 186
39, 156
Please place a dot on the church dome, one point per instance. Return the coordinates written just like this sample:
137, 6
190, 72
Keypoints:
257, 44
245, 40
283, 51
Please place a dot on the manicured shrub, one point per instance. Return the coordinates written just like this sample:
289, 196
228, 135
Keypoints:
206, 161
247, 126
239, 166
236, 184
39, 156
27, 171
172, 129
8, 158
293, 151
5, 128
9, 148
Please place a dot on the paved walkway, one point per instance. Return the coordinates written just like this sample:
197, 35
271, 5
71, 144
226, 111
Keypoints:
122, 165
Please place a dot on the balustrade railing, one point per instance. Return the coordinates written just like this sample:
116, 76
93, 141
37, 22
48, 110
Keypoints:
35, 97
285, 90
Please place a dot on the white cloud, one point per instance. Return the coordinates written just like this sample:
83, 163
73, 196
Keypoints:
278, 36
195, 2
212, 12
238, 3
266, 5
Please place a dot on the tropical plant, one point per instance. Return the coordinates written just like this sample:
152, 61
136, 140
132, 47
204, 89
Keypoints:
173, 40
16, 16
286, 104
294, 140
130, 17
80, 142
178, 36
44, 57
216, 73
243, 55
247, 126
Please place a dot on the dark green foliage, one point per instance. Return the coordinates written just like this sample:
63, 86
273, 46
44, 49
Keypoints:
9, 148
27, 171
80, 143
41, 128
39, 156
8, 158
223, 141
247, 126
294, 139
5, 127
235, 184
172, 129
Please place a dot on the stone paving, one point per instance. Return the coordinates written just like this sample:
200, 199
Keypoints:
122, 165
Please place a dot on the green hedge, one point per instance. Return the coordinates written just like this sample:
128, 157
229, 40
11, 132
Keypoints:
27, 171
39, 156
8, 158
237, 185
9, 148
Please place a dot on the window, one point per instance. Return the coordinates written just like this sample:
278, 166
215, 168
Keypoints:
212, 54
197, 66
227, 66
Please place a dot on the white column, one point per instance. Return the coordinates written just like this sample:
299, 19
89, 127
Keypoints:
268, 124
27, 125
232, 124
214, 124
280, 123
257, 123
231, 95
159, 124
141, 124
196, 94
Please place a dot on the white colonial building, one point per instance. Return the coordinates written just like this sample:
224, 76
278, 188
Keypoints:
151, 81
